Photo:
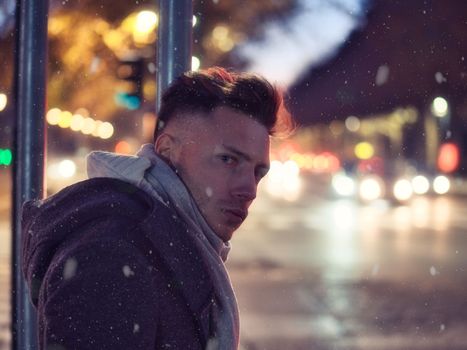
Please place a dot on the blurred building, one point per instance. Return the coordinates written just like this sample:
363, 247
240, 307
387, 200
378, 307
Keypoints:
406, 55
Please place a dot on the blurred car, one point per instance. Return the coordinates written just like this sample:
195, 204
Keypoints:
398, 185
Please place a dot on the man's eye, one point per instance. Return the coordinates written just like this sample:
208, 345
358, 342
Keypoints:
227, 159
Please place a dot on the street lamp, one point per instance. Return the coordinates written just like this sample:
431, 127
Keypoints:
440, 107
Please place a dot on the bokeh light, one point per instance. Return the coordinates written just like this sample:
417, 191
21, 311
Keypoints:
403, 190
440, 107
3, 101
195, 63
106, 130
420, 184
67, 168
364, 150
53, 116
441, 184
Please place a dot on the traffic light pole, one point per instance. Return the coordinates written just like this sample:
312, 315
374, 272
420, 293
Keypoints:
29, 150
174, 42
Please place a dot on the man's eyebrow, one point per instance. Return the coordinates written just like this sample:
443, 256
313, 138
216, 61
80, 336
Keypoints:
243, 155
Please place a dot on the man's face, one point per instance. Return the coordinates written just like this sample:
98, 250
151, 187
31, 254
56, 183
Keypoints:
221, 158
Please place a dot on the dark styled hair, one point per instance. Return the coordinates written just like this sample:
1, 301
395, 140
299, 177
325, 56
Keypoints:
205, 90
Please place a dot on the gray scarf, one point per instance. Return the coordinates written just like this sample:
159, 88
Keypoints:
151, 174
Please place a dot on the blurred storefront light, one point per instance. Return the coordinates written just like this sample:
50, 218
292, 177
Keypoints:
283, 180
146, 21
97, 125
80, 121
195, 63
65, 119
67, 168
88, 126
364, 150
144, 27
123, 147
105, 130
77, 122
222, 39
440, 107
352, 123
336, 127
82, 111
5, 156
3, 102
53, 116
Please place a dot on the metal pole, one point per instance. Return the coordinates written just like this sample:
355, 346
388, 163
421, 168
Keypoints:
174, 42
29, 150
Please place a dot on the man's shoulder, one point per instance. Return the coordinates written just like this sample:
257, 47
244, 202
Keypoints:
102, 189
91, 198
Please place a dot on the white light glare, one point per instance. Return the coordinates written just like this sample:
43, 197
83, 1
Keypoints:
440, 107
146, 22
441, 184
352, 123
371, 188
283, 180
195, 63
420, 184
3, 101
343, 185
67, 168
402, 190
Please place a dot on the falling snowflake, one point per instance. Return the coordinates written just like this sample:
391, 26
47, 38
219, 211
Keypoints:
440, 78
135, 328
127, 271
151, 67
382, 75
69, 270
433, 271
209, 191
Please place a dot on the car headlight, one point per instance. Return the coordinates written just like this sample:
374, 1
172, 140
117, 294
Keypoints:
371, 188
343, 185
420, 184
441, 184
402, 190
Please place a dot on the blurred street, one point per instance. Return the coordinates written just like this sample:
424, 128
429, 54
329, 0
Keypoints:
322, 273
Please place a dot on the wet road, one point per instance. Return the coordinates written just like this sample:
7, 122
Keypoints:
334, 274
322, 273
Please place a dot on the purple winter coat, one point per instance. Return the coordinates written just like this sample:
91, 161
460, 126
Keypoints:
109, 267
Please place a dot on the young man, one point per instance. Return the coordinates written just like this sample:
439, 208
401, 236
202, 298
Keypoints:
133, 258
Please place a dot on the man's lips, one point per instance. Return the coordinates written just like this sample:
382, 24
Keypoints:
239, 214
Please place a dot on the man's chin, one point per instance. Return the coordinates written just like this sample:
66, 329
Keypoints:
224, 232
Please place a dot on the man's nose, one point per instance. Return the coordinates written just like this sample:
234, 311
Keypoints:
245, 187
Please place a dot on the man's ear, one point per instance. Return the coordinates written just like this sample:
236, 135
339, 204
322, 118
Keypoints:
167, 147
